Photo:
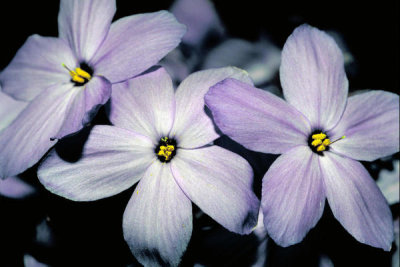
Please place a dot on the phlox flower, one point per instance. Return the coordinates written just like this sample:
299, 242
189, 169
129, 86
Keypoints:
162, 138
321, 135
66, 79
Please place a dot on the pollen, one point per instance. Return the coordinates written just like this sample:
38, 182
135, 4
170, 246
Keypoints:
320, 142
166, 149
78, 75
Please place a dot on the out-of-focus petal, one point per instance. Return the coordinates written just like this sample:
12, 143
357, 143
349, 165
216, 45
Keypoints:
356, 201
14, 187
136, 43
157, 222
85, 105
293, 196
37, 65
199, 16
113, 160
85, 24
371, 126
30, 135
257, 119
388, 183
9, 109
313, 77
145, 104
260, 59
220, 183
193, 127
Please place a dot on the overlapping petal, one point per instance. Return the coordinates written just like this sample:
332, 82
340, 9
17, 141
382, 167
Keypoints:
136, 43
145, 104
220, 183
85, 24
14, 187
293, 196
30, 135
313, 77
356, 201
9, 109
89, 98
371, 126
37, 65
157, 222
192, 126
124, 158
255, 118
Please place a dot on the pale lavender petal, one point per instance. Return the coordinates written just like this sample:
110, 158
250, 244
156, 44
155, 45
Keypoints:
293, 196
136, 43
30, 135
113, 160
37, 66
220, 183
313, 77
145, 104
260, 59
85, 24
199, 16
14, 187
356, 201
193, 127
89, 98
257, 119
157, 222
371, 126
9, 109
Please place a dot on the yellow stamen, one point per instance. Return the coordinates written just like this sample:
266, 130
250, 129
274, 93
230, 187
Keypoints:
316, 142
166, 151
321, 148
78, 75
326, 142
319, 136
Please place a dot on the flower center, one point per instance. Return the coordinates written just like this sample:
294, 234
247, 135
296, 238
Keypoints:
319, 142
80, 75
166, 149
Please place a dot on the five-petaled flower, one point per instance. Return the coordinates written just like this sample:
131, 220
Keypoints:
66, 79
321, 134
161, 138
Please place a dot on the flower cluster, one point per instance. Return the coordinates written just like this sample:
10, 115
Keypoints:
161, 139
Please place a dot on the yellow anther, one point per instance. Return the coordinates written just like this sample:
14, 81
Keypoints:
321, 148
326, 142
319, 136
316, 142
166, 151
78, 75
83, 73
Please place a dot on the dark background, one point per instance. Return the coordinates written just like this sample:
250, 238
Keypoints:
90, 234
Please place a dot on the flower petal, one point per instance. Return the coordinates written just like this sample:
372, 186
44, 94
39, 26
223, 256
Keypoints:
85, 105
36, 66
371, 126
9, 109
293, 196
313, 77
157, 222
257, 119
124, 157
356, 201
85, 24
192, 126
220, 183
145, 104
136, 43
28, 137
14, 187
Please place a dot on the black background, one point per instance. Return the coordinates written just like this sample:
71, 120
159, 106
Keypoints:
90, 234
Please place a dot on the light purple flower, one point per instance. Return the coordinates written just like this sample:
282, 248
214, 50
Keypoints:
68, 78
161, 138
313, 168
